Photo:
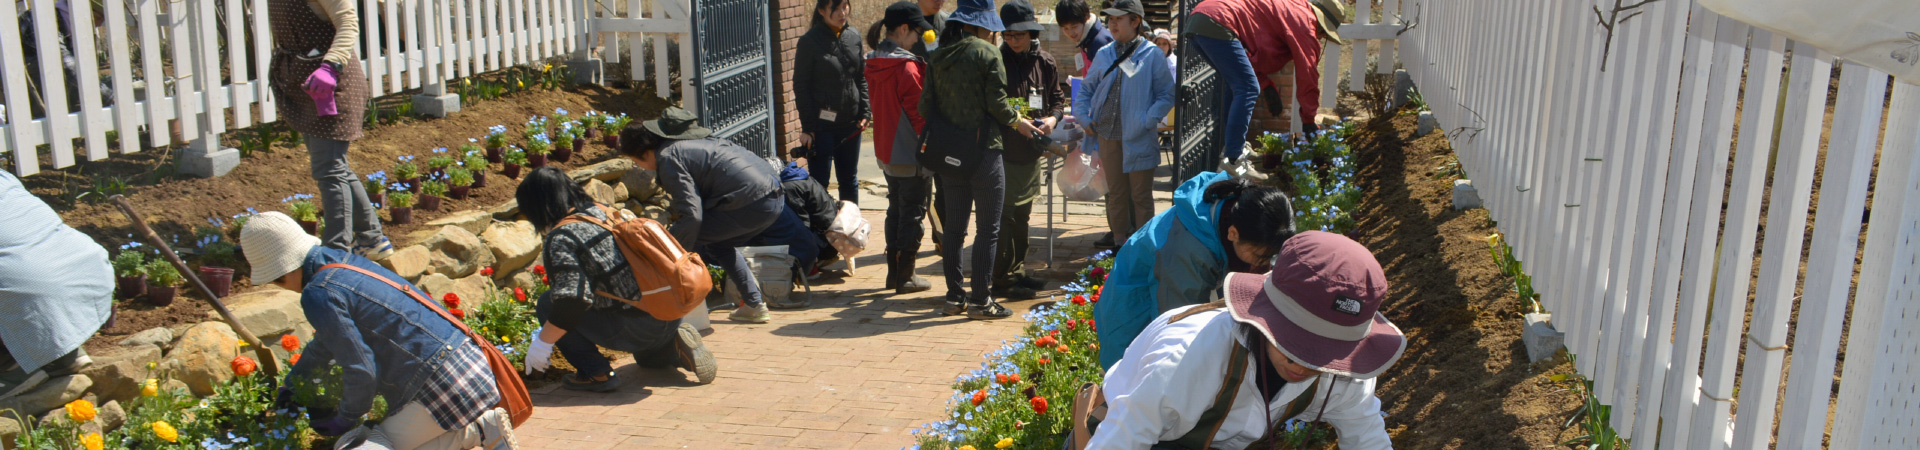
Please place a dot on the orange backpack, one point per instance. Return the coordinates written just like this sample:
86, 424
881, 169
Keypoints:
673, 281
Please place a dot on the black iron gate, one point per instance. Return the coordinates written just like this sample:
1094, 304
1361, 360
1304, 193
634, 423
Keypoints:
735, 68
1196, 136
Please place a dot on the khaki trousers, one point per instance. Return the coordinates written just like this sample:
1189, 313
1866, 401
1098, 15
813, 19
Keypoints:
1129, 194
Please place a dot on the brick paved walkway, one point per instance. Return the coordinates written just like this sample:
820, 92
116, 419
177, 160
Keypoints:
858, 369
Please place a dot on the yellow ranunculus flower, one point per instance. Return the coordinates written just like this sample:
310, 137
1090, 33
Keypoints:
505, 339
92, 441
1004, 443
927, 36
165, 432
80, 410
150, 388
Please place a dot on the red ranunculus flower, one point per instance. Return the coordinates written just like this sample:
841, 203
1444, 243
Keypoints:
488, 271
979, 397
451, 299
1039, 405
519, 295
1079, 299
540, 269
1000, 378
290, 342
1045, 341
457, 313
243, 366
1098, 273
1013, 378
1071, 323
1044, 360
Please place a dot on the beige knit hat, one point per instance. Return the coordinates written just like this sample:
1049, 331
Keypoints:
275, 245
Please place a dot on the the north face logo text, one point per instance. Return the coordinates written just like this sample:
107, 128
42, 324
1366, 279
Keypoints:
1346, 305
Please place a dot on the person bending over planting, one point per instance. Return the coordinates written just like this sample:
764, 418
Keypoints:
1303, 342
724, 197
56, 289
577, 315
387, 343
1217, 225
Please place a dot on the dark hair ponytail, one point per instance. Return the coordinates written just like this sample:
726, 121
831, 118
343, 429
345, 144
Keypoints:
956, 31
1263, 215
875, 34
548, 195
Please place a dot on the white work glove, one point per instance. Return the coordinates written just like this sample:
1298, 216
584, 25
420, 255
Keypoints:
539, 353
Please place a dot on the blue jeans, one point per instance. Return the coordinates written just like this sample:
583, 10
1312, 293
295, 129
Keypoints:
837, 148
1229, 58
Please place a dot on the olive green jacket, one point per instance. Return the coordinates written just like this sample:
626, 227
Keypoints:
967, 85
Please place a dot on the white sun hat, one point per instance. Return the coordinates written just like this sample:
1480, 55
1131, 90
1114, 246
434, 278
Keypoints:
275, 245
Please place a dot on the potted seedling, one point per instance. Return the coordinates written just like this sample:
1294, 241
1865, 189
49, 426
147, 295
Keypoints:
376, 186
477, 164
612, 125
458, 182
591, 124
163, 281
579, 136
496, 142
401, 206
537, 148
301, 208
514, 159
438, 163
130, 271
536, 125
431, 191
563, 142
408, 173
216, 256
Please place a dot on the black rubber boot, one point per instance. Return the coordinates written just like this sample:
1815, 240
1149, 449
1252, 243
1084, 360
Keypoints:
900, 275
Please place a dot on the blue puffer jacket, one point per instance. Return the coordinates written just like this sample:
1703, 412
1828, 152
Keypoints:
1175, 260
385, 341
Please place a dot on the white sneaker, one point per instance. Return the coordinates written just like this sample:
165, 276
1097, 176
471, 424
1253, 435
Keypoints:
751, 314
496, 430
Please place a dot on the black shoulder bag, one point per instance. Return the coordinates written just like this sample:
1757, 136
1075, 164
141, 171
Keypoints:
948, 149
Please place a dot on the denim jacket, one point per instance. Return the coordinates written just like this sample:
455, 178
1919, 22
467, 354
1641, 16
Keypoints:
1146, 96
385, 342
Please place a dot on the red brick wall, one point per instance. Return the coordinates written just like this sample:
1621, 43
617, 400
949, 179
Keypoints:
1263, 121
790, 20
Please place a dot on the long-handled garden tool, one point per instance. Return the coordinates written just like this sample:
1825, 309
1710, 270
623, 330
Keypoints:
260, 350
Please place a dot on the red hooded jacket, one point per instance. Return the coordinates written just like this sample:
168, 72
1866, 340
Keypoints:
1276, 32
894, 79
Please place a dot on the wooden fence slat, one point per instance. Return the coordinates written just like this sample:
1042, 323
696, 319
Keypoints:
19, 117
373, 42
396, 63
93, 119
410, 35
158, 130
1836, 234
239, 96
186, 70
1885, 291
262, 62
59, 127
206, 54
126, 114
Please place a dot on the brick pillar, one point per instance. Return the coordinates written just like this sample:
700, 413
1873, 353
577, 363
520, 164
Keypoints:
1265, 121
790, 21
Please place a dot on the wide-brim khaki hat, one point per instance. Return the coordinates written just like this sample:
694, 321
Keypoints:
1331, 13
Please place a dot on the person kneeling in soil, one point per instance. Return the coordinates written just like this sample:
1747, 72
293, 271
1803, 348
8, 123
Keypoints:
1303, 342
815, 208
724, 197
56, 289
386, 341
1218, 224
577, 316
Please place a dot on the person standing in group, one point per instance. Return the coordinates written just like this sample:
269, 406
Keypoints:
1217, 225
967, 88
1077, 22
936, 22
385, 340
591, 303
322, 93
1032, 75
830, 91
1245, 39
724, 197
1123, 100
895, 75
1164, 39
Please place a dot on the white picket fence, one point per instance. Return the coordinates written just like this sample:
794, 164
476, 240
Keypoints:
204, 60
1610, 186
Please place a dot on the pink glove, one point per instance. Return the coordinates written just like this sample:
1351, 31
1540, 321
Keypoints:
320, 86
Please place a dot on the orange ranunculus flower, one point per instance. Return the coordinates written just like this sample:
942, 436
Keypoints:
80, 410
1039, 405
243, 366
164, 431
979, 397
295, 359
290, 342
92, 441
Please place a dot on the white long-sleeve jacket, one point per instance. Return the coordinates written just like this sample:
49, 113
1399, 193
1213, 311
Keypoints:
1172, 372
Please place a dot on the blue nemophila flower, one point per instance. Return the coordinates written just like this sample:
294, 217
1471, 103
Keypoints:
497, 129
440, 150
560, 111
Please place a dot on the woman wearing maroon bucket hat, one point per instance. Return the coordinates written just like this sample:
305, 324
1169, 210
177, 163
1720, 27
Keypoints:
1302, 342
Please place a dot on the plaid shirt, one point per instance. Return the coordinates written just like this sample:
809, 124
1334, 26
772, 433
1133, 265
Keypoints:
460, 389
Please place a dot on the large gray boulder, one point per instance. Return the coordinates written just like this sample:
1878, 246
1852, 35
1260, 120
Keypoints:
473, 220
50, 395
156, 336
609, 170
117, 375
203, 356
507, 211
265, 312
456, 253
639, 182
513, 244
409, 262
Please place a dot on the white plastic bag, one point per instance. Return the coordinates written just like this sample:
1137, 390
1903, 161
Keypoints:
1882, 34
1082, 179
848, 233
772, 270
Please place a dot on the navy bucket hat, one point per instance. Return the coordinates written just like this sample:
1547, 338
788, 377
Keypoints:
978, 13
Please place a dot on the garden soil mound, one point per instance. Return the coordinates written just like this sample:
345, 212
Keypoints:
1464, 382
174, 204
